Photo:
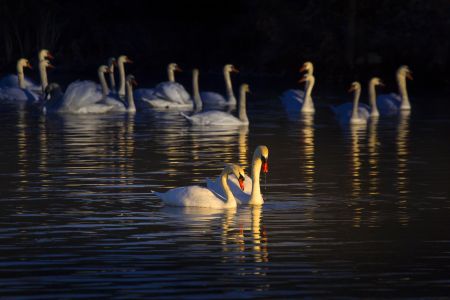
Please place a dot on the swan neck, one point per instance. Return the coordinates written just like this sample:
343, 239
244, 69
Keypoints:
121, 78
373, 100
230, 200
43, 74
101, 77
255, 197
20, 76
196, 92
130, 98
401, 79
308, 105
112, 80
243, 107
229, 88
355, 103
171, 74
310, 71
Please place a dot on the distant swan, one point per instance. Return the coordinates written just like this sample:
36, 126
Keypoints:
112, 63
166, 95
197, 196
353, 112
121, 61
213, 99
19, 93
392, 104
293, 99
220, 118
83, 97
252, 191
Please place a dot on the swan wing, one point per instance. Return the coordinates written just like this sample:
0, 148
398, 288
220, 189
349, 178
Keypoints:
13, 81
213, 99
172, 91
194, 196
389, 104
213, 117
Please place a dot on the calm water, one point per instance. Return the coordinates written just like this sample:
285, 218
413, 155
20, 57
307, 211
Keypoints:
350, 212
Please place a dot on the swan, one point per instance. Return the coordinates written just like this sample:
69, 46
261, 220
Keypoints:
295, 95
121, 61
196, 91
12, 80
197, 196
216, 99
392, 104
251, 194
19, 93
220, 118
111, 65
166, 95
82, 97
374, 112
353, 112
294, 101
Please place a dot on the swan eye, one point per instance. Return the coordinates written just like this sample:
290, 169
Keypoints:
264, 160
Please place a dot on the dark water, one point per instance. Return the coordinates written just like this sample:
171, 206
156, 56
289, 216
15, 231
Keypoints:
350, 212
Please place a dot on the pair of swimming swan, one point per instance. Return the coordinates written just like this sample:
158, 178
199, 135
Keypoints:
172, 95
298, 100
18, 88
383, 105
225, 191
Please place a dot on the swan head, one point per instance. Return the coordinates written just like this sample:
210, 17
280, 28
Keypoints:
229, 68
404, 72
262, 153
131, 80
238, 172
172, 67
307, 66
112, 61
23, 63
245, 88
355, 86
45, 54
104, 69
375, 81
124, 59
308, 78
46, 64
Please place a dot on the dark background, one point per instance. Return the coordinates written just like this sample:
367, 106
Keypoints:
346, 39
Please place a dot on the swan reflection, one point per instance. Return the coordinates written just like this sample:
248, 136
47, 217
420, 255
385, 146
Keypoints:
307, 140
402, 142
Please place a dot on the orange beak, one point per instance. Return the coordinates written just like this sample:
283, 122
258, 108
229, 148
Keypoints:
233, 69
29, 66
50, 66
49, 56
129, 61
303, 79
302, 69
134, 82
409, 75
265, 167
178, 69
241, 183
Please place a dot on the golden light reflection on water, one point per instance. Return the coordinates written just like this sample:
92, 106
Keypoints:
22, 145
307, 140
373, 143
402, 167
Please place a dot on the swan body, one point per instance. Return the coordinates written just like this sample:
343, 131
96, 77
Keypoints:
251, 194
220, 118
197, 196
213, 99
353, 113
19, 92
393, 104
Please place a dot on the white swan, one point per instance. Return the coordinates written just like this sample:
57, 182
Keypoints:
83, 97
19, 93
196, 91
167, 95
293, 99
353, 112
12, 80
251, 194
197, 196
121, 61
392, 104
111, 65
220, 118
214, 99
373, 83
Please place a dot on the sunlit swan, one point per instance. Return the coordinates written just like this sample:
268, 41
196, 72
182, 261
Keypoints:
295, 95
373, 83
121, 61
198, 196
112, 63
392, 104
217, 100
12, 80
252, 191
353, 112
302, 102
80, 98
20, 93
220, 118
168, 94
196, 91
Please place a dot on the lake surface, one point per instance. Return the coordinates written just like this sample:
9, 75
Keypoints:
349, 212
